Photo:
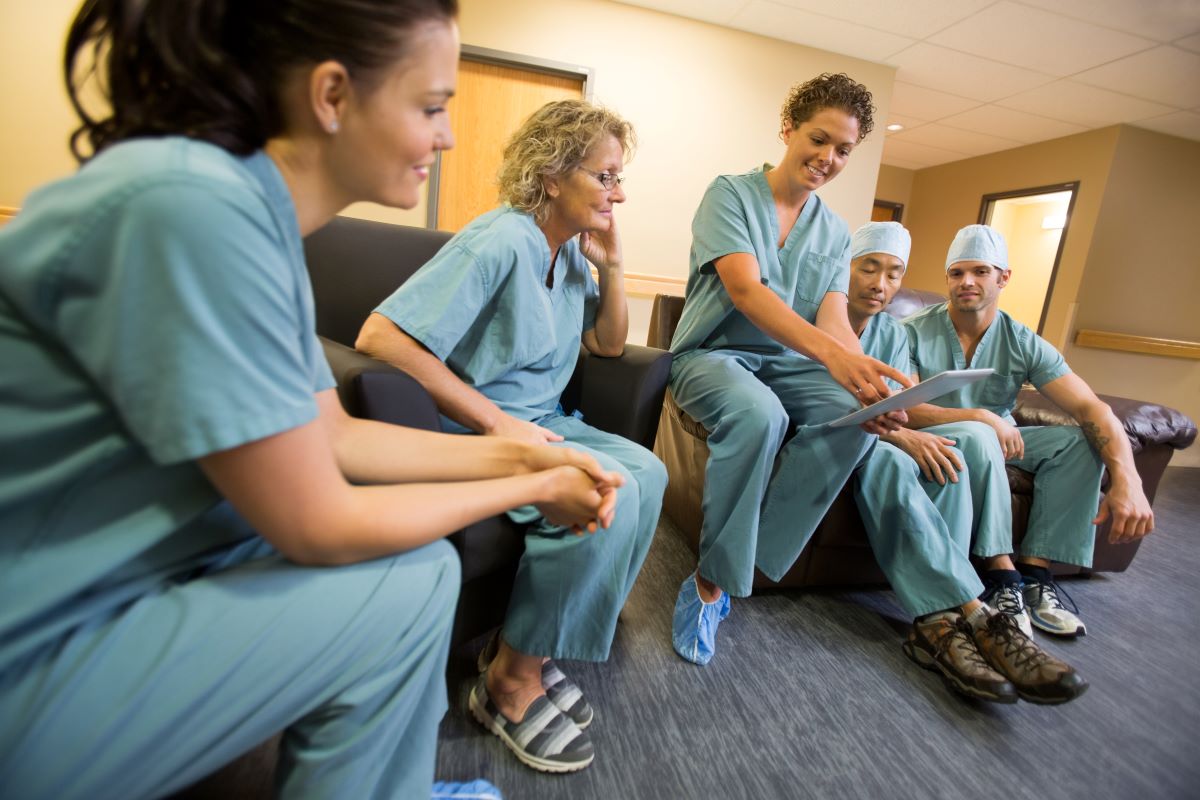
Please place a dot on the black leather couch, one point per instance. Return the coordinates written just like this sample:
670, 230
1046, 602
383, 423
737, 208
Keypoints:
354, 264
839, 553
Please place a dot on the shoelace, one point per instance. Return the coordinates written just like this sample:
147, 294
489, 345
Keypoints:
1015, 642
961, 637
1009, 600
1051, 589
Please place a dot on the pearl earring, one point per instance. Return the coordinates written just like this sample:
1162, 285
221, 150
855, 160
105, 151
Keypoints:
333, 126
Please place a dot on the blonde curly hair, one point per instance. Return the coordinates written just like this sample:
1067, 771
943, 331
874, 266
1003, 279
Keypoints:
554, 140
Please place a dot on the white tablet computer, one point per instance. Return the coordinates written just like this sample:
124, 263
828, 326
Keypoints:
923, 392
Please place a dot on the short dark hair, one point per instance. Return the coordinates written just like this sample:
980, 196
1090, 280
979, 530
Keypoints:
829, 90
212, 69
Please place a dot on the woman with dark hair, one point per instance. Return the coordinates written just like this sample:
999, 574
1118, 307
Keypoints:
764, 348
492, 326
190, 556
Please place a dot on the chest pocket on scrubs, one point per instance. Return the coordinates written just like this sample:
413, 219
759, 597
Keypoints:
1000, 390
816, 273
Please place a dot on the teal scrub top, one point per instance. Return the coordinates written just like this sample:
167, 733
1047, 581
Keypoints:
154, 308
737, 215
886, 339
1016, 353
482, 306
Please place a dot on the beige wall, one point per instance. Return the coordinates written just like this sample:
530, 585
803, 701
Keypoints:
1143, 274
704, 99
947, 197
37, 118
895, 185
1129, 264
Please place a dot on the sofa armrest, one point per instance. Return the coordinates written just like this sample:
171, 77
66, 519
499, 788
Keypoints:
371, 389
621, 395
1146, 424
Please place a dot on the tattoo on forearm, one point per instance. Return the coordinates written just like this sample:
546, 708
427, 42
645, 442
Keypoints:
1091, 432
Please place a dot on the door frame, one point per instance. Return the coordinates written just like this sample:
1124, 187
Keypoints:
1073, 188
484, 55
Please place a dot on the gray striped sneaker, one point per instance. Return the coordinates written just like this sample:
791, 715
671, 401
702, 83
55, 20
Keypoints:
562, 691
545, 740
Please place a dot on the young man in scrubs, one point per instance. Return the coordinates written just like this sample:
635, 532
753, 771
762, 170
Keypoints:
970, 331
915, 502
763, 348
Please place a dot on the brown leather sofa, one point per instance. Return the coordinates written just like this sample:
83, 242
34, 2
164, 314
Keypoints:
838, 553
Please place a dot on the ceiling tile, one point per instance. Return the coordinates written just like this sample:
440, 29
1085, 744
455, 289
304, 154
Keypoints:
955, 140
1191, 43
901, 119
803, 27
716, 11
927, 104
964, 75
915, 18
1014, 125
1039, 40
1165, 74
916, 156
1181, 123
1162, 20
1083, 105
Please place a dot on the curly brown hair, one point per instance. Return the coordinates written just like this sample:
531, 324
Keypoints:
554, 140
829, 90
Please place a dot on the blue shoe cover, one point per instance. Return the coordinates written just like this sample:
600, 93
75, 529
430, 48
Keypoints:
694, 630
475, 790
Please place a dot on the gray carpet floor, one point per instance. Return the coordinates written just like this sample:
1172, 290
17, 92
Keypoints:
810, 696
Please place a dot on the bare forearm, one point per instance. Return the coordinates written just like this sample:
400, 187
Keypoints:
780, 321
612, 314
927, 415
831, 318
1106, 435
373, 521
376, 452
382, 339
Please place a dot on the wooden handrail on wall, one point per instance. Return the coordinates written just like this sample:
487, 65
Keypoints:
636, 283
1149, 345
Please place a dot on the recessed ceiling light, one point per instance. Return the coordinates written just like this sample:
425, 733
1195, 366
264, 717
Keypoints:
895, 126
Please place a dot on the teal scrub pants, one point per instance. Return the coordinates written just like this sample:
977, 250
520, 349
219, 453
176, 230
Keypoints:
748, 402
349, 662
569, 589
919, 530
1066, 492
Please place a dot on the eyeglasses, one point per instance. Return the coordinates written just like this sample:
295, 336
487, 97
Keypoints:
607, 179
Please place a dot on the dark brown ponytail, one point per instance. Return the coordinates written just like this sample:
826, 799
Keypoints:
212, 69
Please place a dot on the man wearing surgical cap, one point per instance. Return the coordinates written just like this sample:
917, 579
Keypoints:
970, 331
915, 502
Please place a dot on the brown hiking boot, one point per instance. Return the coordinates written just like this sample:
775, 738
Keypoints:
1038, 676
945, 645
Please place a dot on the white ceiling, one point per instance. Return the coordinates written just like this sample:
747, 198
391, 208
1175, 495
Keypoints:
979, 76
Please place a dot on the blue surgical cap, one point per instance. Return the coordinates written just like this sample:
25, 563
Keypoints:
881, 237
978, 243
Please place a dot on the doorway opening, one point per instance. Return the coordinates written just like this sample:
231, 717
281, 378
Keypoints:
1034, 224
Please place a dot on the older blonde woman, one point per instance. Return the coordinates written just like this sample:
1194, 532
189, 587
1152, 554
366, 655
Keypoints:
492, 327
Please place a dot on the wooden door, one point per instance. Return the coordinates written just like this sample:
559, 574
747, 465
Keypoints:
492, 102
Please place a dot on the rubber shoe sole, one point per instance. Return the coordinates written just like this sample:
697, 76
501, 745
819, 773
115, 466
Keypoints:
1046, 627
926, 661
528, 759
1076, 691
